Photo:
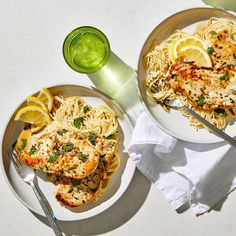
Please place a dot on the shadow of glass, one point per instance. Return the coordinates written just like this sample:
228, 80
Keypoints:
118, 214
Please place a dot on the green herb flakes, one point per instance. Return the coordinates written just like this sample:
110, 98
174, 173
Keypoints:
68, 147
61, 132
94, 190
23, 143
75, 182
200, 100
224, 77
220, 111
92, 138
86, 109
111, 136
70, 190
213, 33
54, 156
83, 157
72, 168
32, 150
78, 122
210, 50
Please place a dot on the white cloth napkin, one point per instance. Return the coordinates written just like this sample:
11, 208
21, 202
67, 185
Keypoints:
197, 174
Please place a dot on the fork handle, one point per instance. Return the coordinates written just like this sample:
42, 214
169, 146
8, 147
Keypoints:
51, 218
213, 128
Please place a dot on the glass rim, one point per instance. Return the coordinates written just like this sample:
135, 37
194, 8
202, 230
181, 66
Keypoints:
71, 36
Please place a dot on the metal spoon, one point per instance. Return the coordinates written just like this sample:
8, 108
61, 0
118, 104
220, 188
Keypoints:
176, 103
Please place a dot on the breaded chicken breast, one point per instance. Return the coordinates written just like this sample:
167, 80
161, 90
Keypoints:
205, 88
65, 153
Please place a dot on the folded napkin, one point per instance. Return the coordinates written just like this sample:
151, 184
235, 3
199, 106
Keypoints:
197, 174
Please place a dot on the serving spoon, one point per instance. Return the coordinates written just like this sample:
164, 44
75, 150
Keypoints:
177, 103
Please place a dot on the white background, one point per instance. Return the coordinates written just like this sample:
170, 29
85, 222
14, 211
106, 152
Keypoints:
31, 37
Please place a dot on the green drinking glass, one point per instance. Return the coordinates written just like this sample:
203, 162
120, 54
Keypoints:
86, 49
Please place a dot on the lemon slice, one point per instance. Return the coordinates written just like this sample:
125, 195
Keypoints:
46, 97
36, 128
196, 54
189, 40
33, 115
36, 102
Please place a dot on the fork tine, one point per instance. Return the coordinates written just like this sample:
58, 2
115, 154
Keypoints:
16, 156
13, 158
17, 152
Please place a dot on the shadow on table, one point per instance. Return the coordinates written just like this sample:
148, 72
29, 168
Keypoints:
118, 214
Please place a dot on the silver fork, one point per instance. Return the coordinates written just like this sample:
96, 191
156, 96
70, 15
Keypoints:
177, 103
29, 177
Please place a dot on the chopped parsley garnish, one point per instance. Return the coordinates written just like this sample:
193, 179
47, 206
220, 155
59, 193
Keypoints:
220, 111
32, 150
86, 109
213, 32
61, 132
75, 182
172, 76
68, 147
78, 190
224, 77
92, 138
94, 190
70, 190
83, 157
23, 143
210, 50
78, 122
54, 156
111, 136
200, 100
72, 168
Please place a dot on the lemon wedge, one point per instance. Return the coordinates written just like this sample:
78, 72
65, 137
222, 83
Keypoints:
46, 97
183, 42
36, 128
196, 54
33, 115
36, 102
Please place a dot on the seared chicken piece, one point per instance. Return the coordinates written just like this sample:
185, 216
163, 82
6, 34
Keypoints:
205, 88
223, 49
75, 192
64, 153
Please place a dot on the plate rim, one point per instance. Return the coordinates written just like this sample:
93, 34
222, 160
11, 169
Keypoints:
96, 90
140, 85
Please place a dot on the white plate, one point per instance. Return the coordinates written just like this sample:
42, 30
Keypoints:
174, 122
120, 180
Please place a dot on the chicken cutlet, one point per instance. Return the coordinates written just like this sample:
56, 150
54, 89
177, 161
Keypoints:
223, 49
75, 192
205, 88
62, 152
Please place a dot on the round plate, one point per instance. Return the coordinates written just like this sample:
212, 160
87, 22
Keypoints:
174, 122
120, 180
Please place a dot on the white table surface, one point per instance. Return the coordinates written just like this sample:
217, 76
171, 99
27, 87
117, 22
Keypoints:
31, 37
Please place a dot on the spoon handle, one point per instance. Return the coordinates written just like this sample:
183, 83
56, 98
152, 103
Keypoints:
210, 126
